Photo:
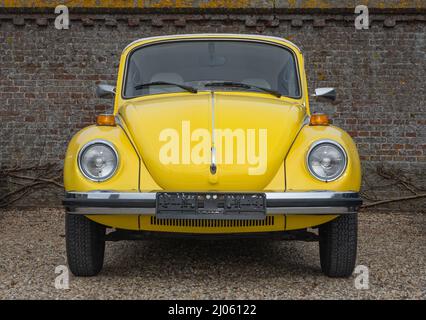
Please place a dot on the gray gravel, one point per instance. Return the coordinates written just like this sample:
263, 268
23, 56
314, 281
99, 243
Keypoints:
32, 244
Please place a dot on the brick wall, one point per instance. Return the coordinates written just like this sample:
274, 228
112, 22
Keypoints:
48, 78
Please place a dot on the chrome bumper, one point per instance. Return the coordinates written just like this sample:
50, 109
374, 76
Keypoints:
144, 203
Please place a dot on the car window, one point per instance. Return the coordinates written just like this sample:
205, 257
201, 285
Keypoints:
195, 63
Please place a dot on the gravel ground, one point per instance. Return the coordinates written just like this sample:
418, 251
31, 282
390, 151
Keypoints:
393, 246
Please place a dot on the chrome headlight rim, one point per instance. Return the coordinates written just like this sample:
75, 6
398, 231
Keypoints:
337, 145
89, 144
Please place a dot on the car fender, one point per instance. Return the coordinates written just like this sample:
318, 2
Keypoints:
126, 177
298, 177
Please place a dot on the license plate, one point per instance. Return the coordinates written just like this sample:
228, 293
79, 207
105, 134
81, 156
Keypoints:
211, 205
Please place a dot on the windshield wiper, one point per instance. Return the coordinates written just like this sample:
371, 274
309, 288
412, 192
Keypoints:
243, 86
164, 83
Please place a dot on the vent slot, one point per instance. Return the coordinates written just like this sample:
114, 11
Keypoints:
213, 223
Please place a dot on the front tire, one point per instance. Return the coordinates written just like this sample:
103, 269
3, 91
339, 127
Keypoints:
85, 243
338, 246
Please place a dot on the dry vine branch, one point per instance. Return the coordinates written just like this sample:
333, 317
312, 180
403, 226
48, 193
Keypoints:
366, 196
11, 201
398, 179
373, 204
53, 181
29, 168
42, 176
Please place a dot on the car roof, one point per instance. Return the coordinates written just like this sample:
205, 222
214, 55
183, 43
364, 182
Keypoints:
212, 35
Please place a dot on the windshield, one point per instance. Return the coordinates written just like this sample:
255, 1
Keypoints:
197, 63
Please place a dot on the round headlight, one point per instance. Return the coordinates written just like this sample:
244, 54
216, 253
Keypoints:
98, 160
326, 160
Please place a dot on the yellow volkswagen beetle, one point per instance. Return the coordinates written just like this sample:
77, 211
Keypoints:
212, 135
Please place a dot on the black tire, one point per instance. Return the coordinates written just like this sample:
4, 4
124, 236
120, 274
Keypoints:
338, 246
85, 243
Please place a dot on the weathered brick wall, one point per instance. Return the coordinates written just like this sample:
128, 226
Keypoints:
48, 78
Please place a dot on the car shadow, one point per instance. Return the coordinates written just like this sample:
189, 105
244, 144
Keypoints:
226, 259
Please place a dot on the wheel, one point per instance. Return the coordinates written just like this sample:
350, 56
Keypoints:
338, 246
85, 243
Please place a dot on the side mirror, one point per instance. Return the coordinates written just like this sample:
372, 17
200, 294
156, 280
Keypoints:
105, 91
326, 93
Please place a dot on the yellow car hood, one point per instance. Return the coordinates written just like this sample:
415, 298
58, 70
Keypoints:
173, 134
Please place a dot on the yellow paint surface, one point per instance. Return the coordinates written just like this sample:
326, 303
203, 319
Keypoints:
126, 222
295, 222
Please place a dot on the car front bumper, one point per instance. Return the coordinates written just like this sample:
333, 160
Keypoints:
144, 203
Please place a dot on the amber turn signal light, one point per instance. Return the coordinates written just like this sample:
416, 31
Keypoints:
105, 120
319, 119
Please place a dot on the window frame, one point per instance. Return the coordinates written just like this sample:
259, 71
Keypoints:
129, 55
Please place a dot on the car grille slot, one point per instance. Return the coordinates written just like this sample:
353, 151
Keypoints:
212, 223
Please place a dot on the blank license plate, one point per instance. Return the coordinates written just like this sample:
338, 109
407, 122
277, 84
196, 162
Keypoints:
211, 205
